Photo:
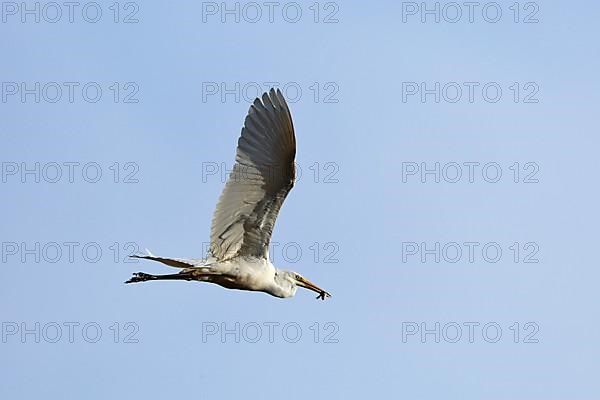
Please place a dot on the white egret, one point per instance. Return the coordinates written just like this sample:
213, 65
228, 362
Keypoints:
243, 221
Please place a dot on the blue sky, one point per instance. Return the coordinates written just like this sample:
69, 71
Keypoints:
448, 280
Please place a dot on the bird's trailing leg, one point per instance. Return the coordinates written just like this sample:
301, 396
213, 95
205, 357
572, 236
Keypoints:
143, 277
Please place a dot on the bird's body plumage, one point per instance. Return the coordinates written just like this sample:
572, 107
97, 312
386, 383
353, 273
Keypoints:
245, 215
242, 273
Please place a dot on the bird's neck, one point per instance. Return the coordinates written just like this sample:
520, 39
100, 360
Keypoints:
281, 287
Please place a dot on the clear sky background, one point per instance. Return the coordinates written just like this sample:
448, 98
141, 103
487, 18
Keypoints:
361, 132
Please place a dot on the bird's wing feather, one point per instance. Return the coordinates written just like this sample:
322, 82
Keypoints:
262, 177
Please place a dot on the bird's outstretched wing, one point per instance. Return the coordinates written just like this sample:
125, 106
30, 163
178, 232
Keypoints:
262, 177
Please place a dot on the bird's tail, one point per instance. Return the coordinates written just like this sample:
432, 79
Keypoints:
182, 263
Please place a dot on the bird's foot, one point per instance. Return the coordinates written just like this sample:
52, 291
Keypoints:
140, 277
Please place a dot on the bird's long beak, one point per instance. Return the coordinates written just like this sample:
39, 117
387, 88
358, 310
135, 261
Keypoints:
305, 283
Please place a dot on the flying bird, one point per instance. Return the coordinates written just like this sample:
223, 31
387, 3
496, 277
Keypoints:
262, 177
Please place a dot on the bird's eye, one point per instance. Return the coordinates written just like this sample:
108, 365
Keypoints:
298, 277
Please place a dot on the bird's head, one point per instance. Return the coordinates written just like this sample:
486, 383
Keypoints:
294, 279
